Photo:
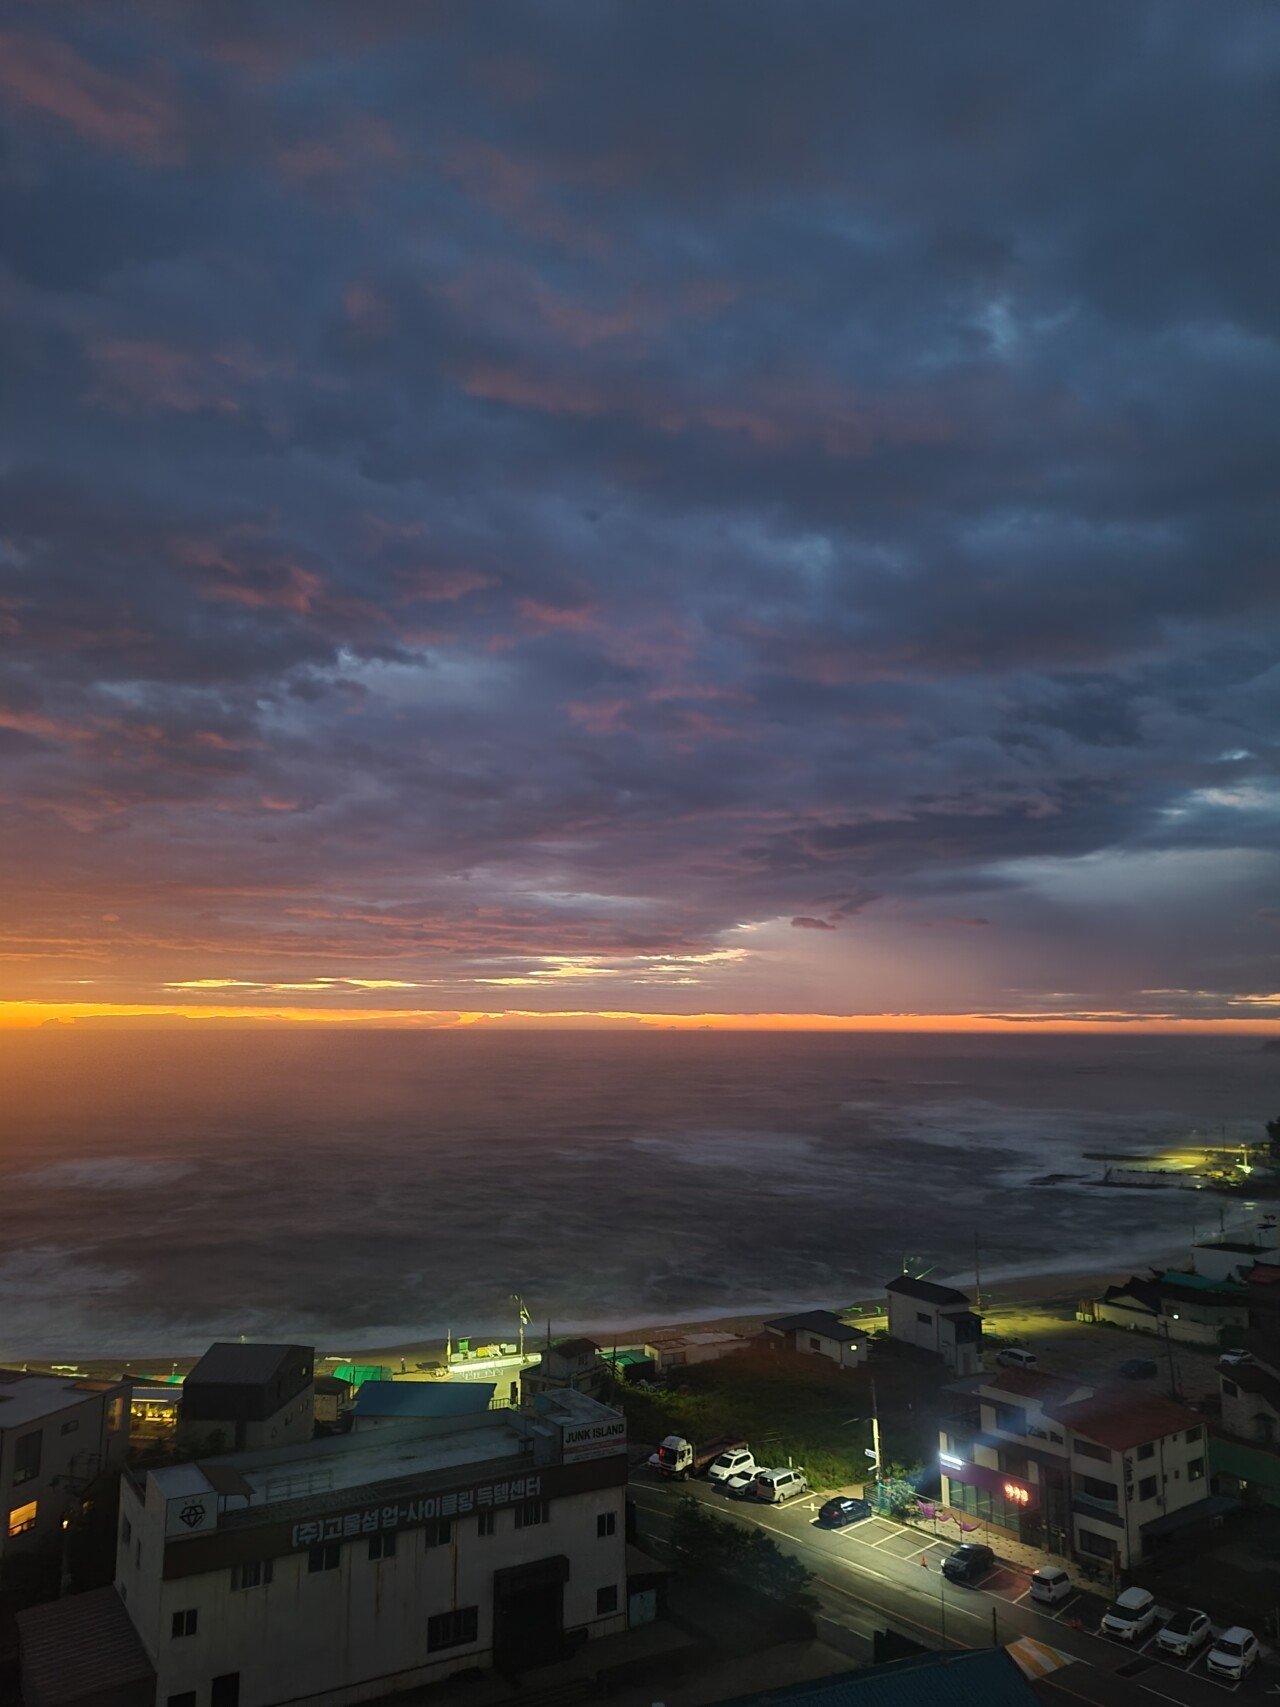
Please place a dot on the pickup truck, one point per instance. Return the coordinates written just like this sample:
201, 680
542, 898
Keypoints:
679, 1458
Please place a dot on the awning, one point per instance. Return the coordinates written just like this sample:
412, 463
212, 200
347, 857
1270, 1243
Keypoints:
1037, 1659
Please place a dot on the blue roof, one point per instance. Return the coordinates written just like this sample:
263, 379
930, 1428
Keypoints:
423, 1398
980, 1677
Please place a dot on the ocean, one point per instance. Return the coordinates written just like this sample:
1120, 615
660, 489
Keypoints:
158, 1190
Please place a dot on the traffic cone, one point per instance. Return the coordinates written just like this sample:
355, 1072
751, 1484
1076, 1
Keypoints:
924, 1561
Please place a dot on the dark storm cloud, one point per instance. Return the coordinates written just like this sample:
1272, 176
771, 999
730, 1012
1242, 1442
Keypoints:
575, 481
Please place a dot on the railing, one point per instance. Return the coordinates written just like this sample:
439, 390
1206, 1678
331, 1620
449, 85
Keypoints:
1107, 1510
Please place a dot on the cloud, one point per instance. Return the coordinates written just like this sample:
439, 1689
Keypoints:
804, 923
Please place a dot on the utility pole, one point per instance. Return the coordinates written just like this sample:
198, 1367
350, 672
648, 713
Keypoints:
875, 1431
1173, 1375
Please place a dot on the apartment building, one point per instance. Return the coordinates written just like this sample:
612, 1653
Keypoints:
938, 1319
1049, 1461
57, 1435
356, 1565
243, 1396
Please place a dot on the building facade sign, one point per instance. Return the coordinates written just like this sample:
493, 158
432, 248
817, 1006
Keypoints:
427, 1509
580, 1441
191, 1514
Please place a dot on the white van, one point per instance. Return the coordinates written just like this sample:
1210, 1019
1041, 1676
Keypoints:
1013, 1357
774, 1486
1050, 1583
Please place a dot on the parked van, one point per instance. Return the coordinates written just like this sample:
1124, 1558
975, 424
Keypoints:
774, 1486
1050, 1583
1013, 1357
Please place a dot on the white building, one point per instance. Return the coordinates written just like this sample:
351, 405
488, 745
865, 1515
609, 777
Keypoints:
57, 1434
356, 1565
819, 1333
937, 1319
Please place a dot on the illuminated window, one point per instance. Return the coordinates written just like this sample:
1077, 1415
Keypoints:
22, 1518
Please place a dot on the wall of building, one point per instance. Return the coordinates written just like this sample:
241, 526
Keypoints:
914, 1321
847, 1353
358, 1631
1179, 1470
88, 1435
292, 1424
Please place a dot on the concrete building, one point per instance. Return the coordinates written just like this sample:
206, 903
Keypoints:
573, 1365
355, 1565
240, 1397
333, 1400
1189, 1307
57, 1434
937, 1319
1108, 1476
819, 1333
1244, 1452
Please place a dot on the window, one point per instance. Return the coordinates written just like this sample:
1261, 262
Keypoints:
1055, 1436
72, 1426
607, 1599
1095, 1489
225, 1690
1195, 1469
452, 1629
184, 1623
814, 1344
22, 1518
126, 1531
1147, 1488
256, 1573
1011, 1419
186, 1699
1147, 1451
485, 1523
530, 1512
1086, 1449
607, 1524
383, 1546
137, 1554
26, 1458
922, 1316
115, 1413
438, 1534
325, 1558
1192, 1435
1099, 1546
1230, 1388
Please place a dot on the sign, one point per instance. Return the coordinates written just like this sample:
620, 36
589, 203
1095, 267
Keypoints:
579, 1441
427, 1509
191, 1514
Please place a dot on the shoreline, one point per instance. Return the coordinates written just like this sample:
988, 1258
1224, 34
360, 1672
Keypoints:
1006, 1293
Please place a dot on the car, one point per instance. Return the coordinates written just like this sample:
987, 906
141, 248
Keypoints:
1050, 1583
1235, 1356
1014, 1357
1130, 1615
1188, 1630
741, 1485
969, 1563
1234, 1653
1138, 1368
836, 1513
775, 1486
729, 1463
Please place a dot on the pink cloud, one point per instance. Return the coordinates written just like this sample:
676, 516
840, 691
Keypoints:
548, 618
805, 923
432, 586
101, 107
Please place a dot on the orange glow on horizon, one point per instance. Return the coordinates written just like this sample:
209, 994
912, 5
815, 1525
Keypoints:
24, 1015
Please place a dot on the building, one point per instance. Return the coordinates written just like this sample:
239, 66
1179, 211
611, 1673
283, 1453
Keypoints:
1189, 1307
332, 1401
937, 1319
1244, 1451
991, 1677
1231, 1258
355, 1565
240, 1397
381, 1402
1110, 1476
573, 1365
819, 1333
57, 1435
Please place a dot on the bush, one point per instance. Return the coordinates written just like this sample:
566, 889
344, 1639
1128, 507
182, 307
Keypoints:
741, 1554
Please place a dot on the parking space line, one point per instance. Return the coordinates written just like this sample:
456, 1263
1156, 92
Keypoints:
1065, 1607
1022, 1597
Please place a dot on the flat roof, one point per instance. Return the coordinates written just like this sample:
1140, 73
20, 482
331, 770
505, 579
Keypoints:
423, 1398
397, 1450
1031, 1384
26, 1397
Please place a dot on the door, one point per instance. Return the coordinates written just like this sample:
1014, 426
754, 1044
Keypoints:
226, 1690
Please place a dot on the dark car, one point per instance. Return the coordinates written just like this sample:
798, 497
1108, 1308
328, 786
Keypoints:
969, 1563
834, 1514
1137, 1368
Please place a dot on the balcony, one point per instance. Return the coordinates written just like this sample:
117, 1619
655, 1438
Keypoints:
1089, 1506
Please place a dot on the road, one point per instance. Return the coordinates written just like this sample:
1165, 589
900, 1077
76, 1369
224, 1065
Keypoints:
877, 1574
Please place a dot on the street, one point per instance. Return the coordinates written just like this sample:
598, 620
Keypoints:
877, 1574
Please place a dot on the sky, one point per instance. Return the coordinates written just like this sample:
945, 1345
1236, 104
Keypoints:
607, 510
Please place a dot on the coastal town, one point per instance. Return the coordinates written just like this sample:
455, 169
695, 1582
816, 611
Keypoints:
1063, 1490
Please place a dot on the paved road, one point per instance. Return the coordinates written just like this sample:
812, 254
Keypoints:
877, 1574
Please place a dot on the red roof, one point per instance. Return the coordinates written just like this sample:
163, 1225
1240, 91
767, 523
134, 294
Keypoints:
1032, 1384
1120, 1421
1263, 1274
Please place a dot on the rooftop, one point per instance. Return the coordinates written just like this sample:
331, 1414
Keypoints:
576, 1348
910, 1287
1122, 1420
75, 1647
229, 1362
1235, 1245
25, 1398
1198, 1282
423, 1398
986, 1675
1032, 1384
817, 1322
1264, 1274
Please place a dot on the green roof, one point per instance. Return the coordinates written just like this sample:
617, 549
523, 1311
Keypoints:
1176, 1277
1251, 1464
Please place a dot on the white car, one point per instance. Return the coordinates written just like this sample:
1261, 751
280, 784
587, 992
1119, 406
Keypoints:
1233, 1654
741, 1485
738, 1458
1050, 1584
774, 1486
1186, 1632
1130, 1615
1233, 1357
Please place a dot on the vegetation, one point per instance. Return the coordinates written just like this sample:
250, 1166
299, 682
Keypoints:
802, 1410
741, 1554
